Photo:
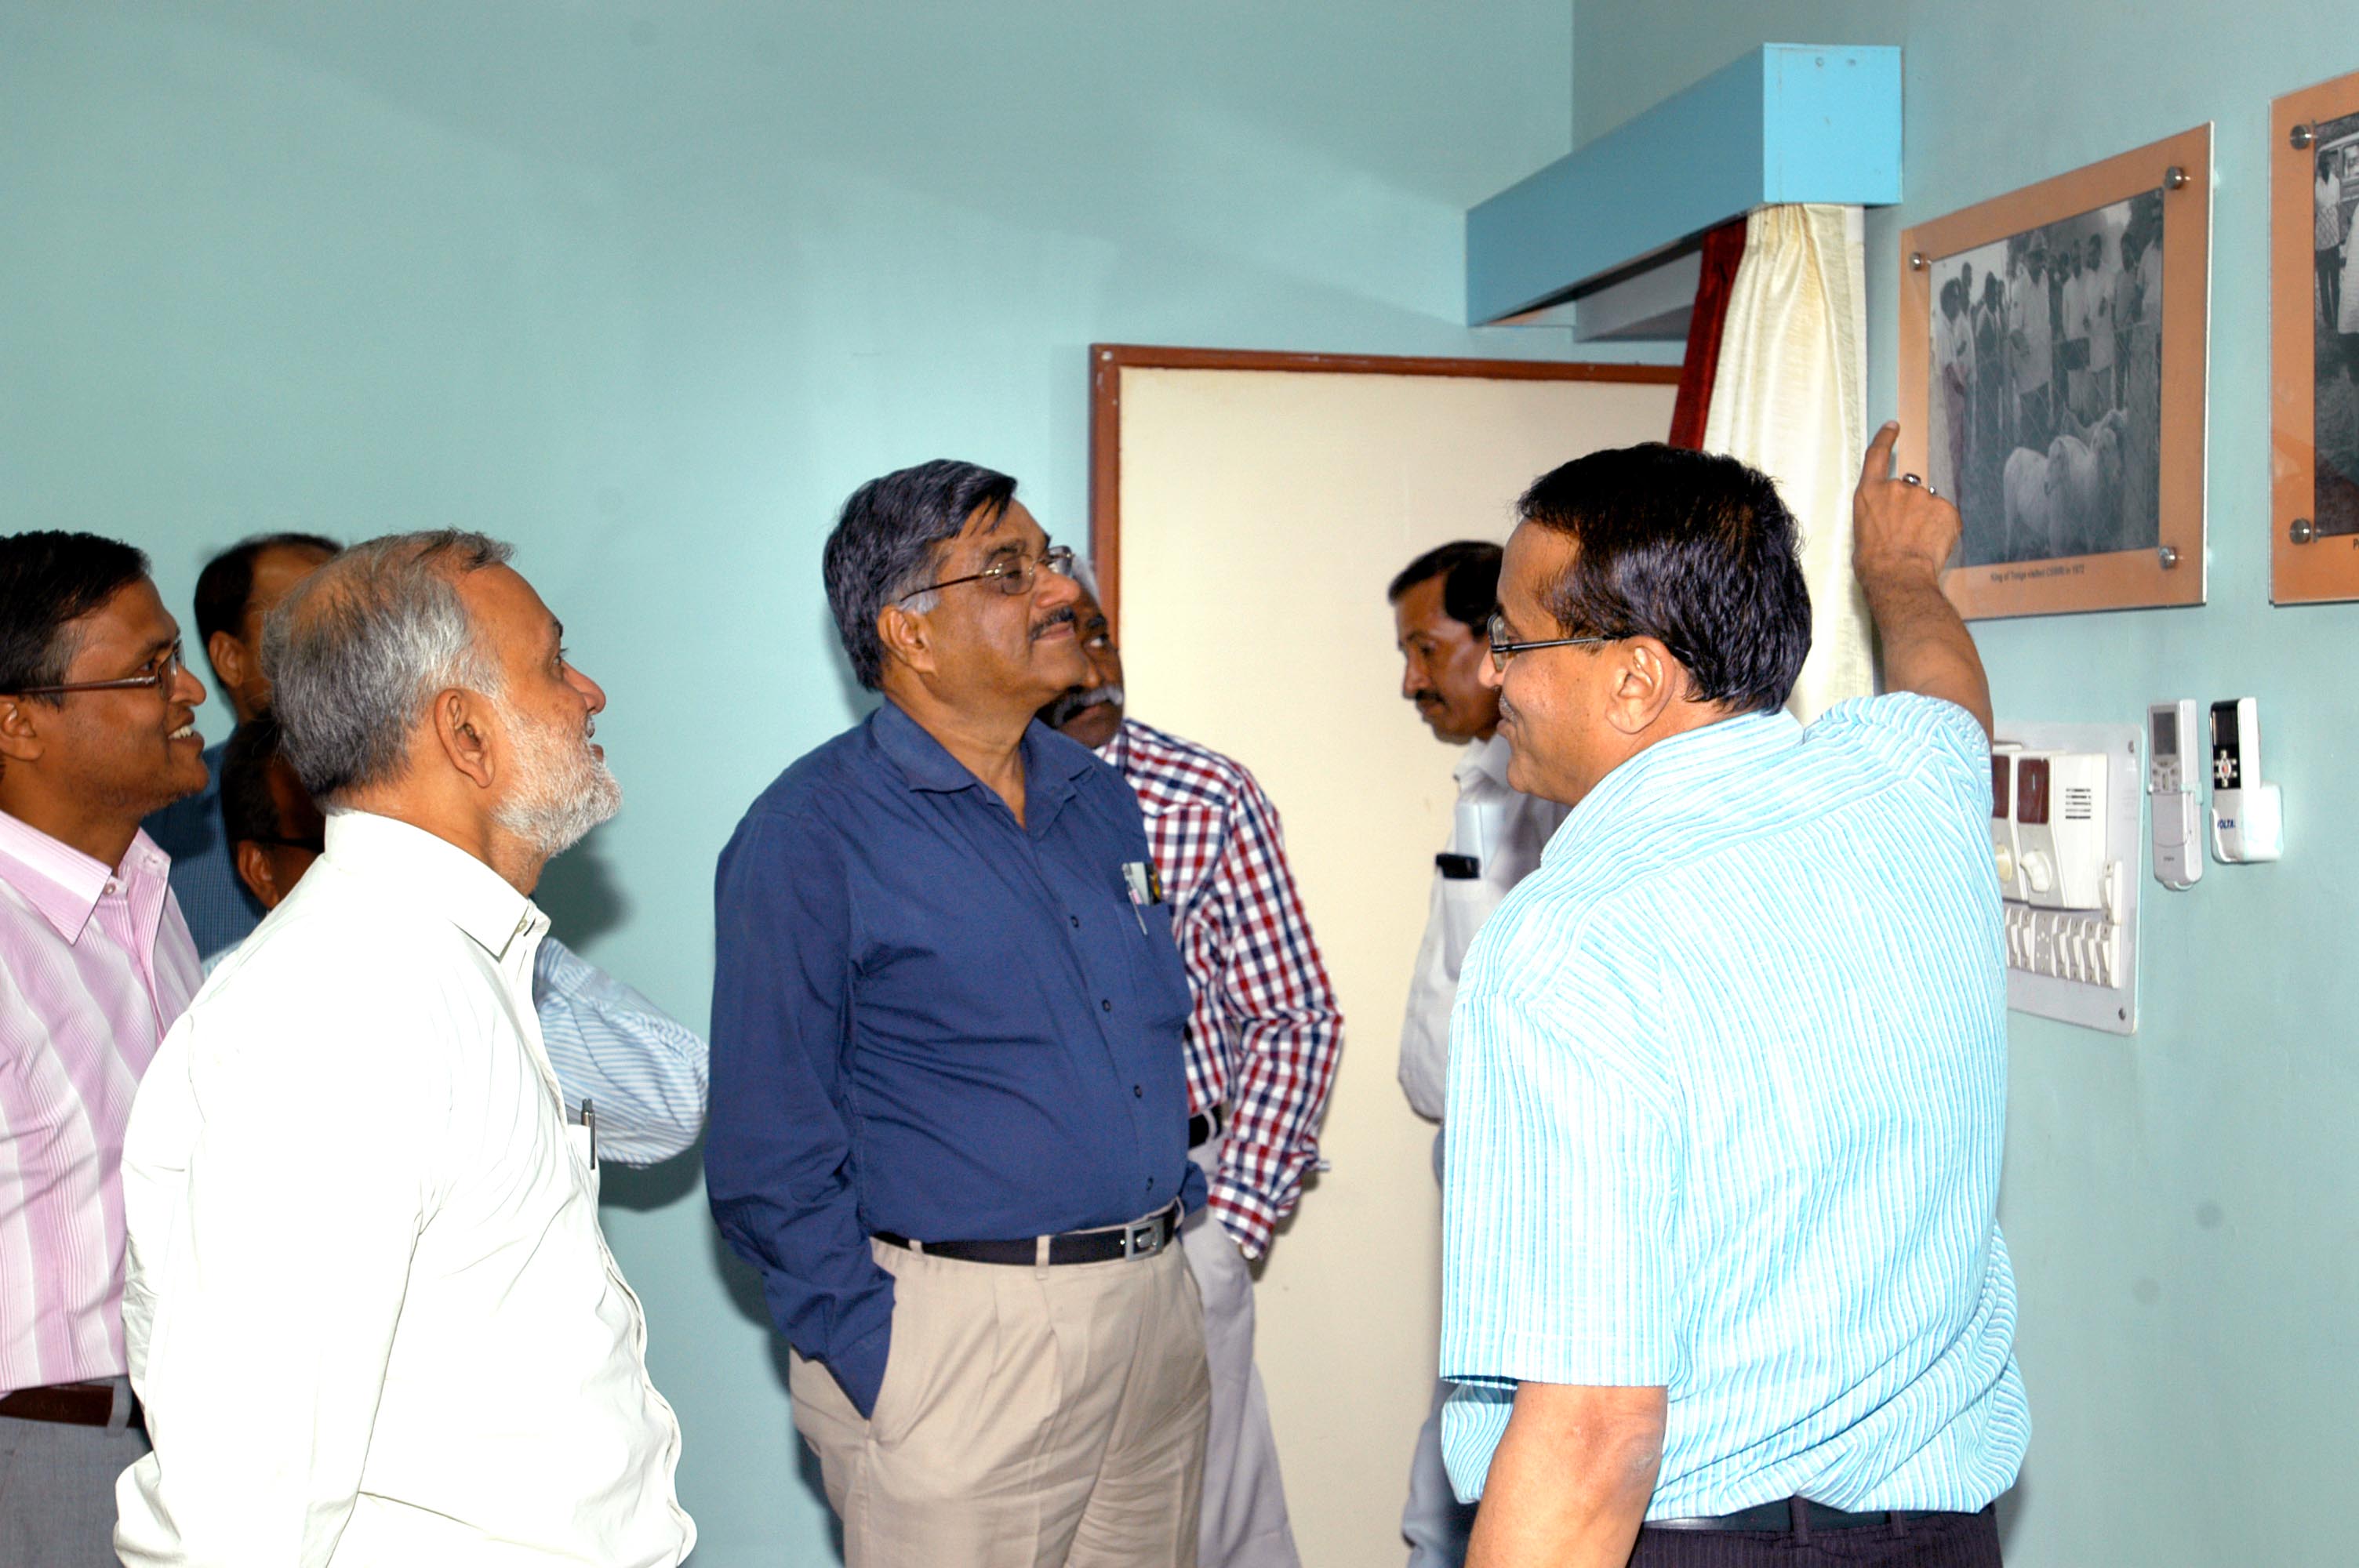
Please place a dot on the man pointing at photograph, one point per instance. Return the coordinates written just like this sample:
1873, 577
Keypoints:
1728, 1073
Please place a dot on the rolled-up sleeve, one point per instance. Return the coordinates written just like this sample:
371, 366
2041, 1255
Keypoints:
778, 1159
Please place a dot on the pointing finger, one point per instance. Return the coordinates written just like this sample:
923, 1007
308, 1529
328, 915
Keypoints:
1878, 464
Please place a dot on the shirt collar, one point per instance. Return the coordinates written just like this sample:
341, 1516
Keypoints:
61, 881
1484, 758
437, 874
926, 764
1622, 800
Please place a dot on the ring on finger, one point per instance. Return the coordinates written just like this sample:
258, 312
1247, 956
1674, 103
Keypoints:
1910, 478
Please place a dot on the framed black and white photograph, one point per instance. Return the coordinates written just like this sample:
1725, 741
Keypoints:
2314, 344
2047, 387
2033, 384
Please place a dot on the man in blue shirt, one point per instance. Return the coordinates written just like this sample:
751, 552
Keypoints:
949, 1118
1728, 1073
235, 592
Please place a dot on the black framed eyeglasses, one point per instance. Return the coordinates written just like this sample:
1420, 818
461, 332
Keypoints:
1503, 649
1014, 575
161, 674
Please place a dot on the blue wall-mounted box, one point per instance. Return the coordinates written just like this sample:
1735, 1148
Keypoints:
1785, 122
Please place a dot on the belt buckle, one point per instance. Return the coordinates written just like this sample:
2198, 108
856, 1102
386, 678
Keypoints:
1143, 1240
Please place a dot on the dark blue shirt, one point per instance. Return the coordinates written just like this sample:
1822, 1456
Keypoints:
220, 912
929, 1020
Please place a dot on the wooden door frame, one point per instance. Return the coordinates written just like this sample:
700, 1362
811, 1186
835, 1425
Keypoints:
1108, 360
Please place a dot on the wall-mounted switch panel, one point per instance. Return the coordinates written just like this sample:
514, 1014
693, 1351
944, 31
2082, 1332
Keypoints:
2066, 846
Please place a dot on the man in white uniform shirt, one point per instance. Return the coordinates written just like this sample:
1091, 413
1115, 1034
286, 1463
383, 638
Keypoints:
2029, 340
371, 1314
1441, 608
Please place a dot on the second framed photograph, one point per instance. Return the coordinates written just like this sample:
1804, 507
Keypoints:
2314, 344
2052, 373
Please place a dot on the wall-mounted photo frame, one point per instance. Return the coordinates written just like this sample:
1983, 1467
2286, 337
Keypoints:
2314, 344
2053, 349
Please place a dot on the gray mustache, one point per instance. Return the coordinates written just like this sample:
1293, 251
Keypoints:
1062, 711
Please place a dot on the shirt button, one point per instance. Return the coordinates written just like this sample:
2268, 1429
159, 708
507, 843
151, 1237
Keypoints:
1138, 1091
1104, 1006
1076, 920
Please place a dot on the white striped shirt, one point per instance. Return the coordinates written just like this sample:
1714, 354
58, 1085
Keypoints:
1727, 1100
643, 1072
94, 965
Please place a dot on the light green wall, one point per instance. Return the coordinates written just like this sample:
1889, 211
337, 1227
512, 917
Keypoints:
648, 288
2182, 1204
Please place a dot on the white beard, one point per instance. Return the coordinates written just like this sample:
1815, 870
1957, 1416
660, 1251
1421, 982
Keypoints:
562, 790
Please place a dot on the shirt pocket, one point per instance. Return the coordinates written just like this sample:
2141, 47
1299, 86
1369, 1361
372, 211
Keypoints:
582, 1143
1466, 904
1158, 975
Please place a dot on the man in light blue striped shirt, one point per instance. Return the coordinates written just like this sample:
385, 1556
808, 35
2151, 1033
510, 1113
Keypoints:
1728, 1073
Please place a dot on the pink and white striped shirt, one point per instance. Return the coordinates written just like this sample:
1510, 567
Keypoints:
94, 965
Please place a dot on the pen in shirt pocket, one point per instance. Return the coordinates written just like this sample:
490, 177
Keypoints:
1134, 876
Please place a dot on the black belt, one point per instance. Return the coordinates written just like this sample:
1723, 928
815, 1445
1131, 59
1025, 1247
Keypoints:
1202, 1129
68, 1405
1797, 1516
1139, 1239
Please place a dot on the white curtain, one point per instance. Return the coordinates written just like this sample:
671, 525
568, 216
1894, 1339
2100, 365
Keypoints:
1790, 399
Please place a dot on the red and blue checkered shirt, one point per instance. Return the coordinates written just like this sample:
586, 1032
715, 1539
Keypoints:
1264, 1030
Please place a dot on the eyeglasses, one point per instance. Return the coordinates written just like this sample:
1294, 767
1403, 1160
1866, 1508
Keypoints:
1014, 575
1502, 649
165, 672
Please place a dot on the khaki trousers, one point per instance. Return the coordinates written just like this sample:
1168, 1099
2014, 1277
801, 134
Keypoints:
1046, 1417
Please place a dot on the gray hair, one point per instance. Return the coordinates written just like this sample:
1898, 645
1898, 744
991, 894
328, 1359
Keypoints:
884, 545
360, 647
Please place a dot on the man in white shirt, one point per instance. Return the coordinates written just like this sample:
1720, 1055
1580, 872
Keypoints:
643, 1074
371, 1314
2097, 311
2075, 318
1443, 602
2028, 338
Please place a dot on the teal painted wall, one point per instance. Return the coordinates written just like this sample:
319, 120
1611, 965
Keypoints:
648, 289
2182, 1204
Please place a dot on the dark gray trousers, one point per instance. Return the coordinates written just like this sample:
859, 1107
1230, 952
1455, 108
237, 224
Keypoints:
57, 1488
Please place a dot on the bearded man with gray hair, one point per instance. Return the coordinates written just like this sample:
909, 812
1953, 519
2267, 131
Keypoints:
370, 1312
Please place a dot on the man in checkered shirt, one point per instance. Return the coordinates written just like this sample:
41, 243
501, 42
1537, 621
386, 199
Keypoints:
1262, 1042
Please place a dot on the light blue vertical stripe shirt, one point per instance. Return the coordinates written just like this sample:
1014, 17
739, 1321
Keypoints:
1727, 1100
644, 1072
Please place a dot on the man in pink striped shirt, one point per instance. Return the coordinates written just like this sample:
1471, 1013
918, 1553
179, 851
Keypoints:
97, 730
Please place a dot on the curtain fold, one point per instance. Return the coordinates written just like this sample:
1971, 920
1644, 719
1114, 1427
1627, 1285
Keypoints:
1788, 397
1723, 249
